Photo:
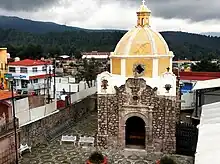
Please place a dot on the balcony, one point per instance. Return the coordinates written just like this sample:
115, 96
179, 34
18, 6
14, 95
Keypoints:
8, 127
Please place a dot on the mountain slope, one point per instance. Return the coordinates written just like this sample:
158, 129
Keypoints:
26, 25
217, 34
27, 38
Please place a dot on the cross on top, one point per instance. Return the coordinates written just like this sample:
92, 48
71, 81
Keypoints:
143, 1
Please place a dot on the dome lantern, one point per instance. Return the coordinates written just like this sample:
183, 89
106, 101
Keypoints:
143, 15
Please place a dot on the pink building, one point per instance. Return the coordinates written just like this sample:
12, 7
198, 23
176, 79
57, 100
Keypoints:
7, 141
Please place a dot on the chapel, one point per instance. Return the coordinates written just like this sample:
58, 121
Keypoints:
137, 99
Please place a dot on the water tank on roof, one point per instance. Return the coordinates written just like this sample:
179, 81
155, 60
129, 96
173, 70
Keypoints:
17, 59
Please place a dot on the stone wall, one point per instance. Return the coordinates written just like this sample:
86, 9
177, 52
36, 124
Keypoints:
108, 120
135, 98
49, 127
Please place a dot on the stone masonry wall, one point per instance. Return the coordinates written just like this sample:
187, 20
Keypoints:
39, 131
135, 98
107, 120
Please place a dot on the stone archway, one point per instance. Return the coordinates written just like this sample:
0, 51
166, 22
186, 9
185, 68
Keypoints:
135, 133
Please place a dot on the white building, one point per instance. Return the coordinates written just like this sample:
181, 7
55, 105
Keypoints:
30, 75
96, 55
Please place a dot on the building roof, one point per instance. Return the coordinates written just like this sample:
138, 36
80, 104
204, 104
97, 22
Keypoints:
29, 62
141, 41
198, 76
209, 134
4, 95
206, 84
64, 56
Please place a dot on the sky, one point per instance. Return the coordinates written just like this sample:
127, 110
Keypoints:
167, 15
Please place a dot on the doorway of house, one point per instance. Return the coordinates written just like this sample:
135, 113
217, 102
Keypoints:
135, 133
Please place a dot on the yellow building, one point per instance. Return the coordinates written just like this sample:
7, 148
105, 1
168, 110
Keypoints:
141, 48
3, 66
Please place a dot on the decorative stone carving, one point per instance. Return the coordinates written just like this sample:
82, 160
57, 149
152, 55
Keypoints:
135, 98
104, 84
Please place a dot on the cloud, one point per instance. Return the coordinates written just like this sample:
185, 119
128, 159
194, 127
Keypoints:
194, 10
188, 15
26, 5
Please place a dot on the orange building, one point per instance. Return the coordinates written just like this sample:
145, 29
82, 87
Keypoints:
3, 67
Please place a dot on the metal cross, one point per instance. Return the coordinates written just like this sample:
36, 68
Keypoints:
143, 1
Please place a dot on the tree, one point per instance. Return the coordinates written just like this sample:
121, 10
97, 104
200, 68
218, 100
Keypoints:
77, 54
205, 66
88, 70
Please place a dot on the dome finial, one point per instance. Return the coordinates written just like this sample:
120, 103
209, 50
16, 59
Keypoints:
143, 2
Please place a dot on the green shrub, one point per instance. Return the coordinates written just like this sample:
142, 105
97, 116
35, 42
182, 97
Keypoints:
167, 160
96, 158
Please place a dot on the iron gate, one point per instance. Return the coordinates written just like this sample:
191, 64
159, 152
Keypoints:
186, 139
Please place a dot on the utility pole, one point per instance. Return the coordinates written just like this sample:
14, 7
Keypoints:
14, 121
54, 77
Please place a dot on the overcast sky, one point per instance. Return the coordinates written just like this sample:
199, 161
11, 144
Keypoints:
185, 15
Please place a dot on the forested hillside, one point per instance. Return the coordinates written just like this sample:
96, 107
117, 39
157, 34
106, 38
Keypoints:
27, 45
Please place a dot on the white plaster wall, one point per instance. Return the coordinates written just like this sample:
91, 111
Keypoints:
83, 94
208, 148
21, 105
117, 80
37, 112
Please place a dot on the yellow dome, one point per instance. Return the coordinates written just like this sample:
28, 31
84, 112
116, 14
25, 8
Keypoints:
141, 52
141, 41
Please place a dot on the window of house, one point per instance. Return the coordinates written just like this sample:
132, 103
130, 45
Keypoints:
35, 80
2, 66
11, 69
34, 69
44, 68
23, 70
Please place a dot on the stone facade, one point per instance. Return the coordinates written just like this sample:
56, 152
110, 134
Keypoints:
48, 127
135, 98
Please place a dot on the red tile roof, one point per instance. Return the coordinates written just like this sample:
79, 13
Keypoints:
29, 62
199, 75
6, 95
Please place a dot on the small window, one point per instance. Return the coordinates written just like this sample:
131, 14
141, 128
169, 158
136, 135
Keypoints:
34, 69
139, 69
44, 68
35, 80
11, 69
23, 70
2, 66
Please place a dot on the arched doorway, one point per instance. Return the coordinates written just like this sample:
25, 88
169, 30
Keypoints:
135, 133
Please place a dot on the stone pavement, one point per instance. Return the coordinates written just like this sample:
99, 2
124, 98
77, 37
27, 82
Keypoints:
54, 153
